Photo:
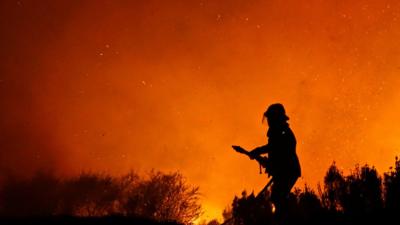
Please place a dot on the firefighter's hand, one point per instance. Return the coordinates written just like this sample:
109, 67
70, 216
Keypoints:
252, 155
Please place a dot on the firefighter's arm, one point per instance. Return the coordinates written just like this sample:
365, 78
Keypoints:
260, 150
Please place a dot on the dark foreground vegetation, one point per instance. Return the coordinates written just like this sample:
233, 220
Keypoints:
93, 198
71, 220
361, 197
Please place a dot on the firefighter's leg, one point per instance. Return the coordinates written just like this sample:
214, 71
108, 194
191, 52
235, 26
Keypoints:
279, 197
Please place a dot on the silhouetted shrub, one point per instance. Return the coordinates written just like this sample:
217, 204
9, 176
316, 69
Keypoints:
392, 188
89, 194
164, 197
358, 198
161, 197
334, 187
363, 194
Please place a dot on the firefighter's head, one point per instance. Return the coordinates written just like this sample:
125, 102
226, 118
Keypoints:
275, 114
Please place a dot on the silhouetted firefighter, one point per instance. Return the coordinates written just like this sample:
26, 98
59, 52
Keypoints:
282, 162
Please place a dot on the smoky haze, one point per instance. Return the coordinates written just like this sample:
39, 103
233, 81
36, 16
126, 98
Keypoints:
119, 85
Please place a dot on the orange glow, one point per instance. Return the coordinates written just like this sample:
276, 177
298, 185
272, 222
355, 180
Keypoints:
171, 85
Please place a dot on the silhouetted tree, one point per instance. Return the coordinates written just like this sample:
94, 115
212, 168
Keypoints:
363, 192
89, 194
392, 188
334, 187
164, 197
358, 198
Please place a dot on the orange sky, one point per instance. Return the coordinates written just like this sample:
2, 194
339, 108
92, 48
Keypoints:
119, 85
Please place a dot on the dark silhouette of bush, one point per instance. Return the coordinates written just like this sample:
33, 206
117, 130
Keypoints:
363, 194
392, 188
161, 197
334, 188
164, 197
356, 194
89, 194
73, 220
358, 198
